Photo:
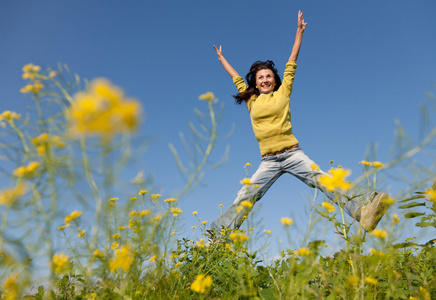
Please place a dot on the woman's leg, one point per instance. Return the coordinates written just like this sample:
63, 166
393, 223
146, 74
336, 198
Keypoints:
297, 163
268, 172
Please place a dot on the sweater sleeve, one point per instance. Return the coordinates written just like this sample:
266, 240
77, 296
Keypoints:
288, 78
239, 83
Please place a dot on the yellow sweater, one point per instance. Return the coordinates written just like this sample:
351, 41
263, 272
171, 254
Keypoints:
270, 114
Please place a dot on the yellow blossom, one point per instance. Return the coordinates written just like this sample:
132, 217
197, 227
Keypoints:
350, 262
60, 228
221, 205
133, 198
155, 196
201, 283
194, 213
178, 264
116, 236
247, 204
209, 96
377, 164
395, 219
431, 195
247, 165
330, 208
32, 88
353, 280
73, 216
303, 252
267, 231
157, 218
193, 227
238, 237
122, 227
169, 200
365, 163
375, 252
335, 180
10, 287
27, 171
204, 222
115, 245
60, 263
425, 293
98, 253
176, 211
246, 181
80, 232
133, 213
30, 71
142, 192
380, 233
144, 213
286, 221
314, 167
371, 280
11, 195
122, 260
103, 110
9, 116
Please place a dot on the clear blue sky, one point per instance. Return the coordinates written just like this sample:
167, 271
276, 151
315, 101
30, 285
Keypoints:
362, 65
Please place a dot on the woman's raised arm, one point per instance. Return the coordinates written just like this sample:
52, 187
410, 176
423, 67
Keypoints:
225, 63
298, 37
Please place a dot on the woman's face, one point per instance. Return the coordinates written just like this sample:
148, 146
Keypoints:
265, 81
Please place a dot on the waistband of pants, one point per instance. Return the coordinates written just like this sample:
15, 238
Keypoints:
280, 152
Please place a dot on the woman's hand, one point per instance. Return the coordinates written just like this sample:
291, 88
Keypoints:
301, 25
219, 51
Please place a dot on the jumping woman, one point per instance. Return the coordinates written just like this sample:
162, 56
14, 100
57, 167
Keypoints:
267, 99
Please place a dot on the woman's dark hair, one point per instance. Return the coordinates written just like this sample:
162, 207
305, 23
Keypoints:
251, 80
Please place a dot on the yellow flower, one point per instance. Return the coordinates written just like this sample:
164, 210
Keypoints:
431, 195
375, 252
201, 283
116, 236
11, 195
60, 263
425, 293
204, 222
122, 260
103, 110
9, 116
286, 221
60, 228
176, 211
178, 264
314, 167
27, 171
80, 233
209, 96
74, 215
32, 88
98, 253
194, 213
155, 196
11, 287
133, 198
350, 262
221, 205
122, 227
169, 200
193, 227
30, 71
303, 252
267, 231
238, 237
328, 206
395, 219
142, 192
371, 280
246, 181
335, 180
247, 165
115, 245
144, 213
380, 233
353, 280
365, 163
377, 164
247, 204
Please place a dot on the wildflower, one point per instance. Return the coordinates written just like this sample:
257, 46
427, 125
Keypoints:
32, 88
144, 213
424, 293
336, 179
353, 280
375, 252
193, 227
11, 195
27, 171
115, 245
74, 215
228, 246
204, 222
380, 233
200, 243
9, 116
60, 263
395, 219
251, 229
201, 283
52, 74
247, 165
133, 198
157, 218
103, 110
80, 232
169, 200
153, 258
122, 260
112, 202
10, 287
350, 262
176, 211
238, 237
246, 181
209, 96
365, 163
30, 71
155, 196
116, 236
286, 221
314, 167
194, 213
371, 280
178, 264
377, 164
246, 204
61, 228
431, 195
142, 192
133, 213
98, 254
221, 205
303, 252
267, 231
328, 206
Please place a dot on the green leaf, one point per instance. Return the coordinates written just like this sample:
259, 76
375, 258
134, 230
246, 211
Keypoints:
413, 215
425, 224
413, 204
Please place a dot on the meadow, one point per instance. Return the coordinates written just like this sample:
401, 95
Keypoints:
63, 160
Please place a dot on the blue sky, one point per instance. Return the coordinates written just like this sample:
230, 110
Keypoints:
362, 65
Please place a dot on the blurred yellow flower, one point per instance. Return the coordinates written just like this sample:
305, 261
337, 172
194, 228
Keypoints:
247, 204
335, 180
303, 252
155, 196
267, 231
286, 221
380, 233
80, 232
221, 205
178, 264
194, 213
115, 245
27, 171
103, 110
10, 287
144, 212
431, 195
60, 228
350, 262
122, 260
314, 167
371, 280
209, 96
375, 252
247, 165
60, 263
9, 116
133, 198
176, 211
395, 219
98, 254
328, 206
204, 222
246, 181
116, 236
73, 216
238, 237
142, 192
32, 88
353, 280
30, 71
365, 163
377, 164
169, 200
201, 283
11, 195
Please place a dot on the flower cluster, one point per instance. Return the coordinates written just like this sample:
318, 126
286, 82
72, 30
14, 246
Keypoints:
335, 180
